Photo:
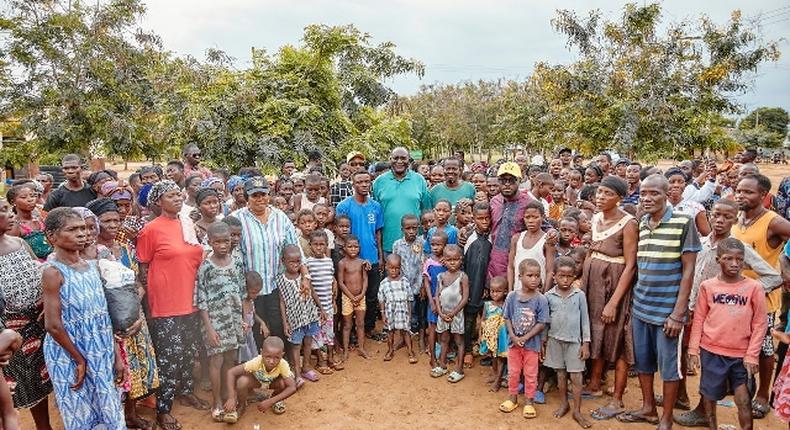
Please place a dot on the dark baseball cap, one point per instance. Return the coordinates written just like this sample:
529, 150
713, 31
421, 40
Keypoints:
257, 184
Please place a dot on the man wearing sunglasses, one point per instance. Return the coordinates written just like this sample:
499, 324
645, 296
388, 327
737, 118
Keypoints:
507, 216
192, 156
340, 190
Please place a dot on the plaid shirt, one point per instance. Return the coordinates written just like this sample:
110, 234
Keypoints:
339, 191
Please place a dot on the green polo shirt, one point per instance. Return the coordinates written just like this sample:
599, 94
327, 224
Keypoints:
398, 198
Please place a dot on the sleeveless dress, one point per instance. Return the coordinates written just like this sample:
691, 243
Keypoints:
20, 280
535, 253
602, 272
449, 298
493, 331
87, 323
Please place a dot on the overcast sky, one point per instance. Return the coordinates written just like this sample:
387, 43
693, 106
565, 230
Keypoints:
457, 40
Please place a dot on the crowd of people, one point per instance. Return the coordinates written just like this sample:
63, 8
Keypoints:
253, 286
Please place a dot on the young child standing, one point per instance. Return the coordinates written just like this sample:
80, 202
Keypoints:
253, 287
450, 299
477, 252
569, 230
427, 221
442, 211
305, 222
311, 195
568, 343
727, 333
410, 249
493, 331
430, 272
268, 370
302, 314
395, 296
353, 281
463, 213
322, 272
323, 218
219, 282
558, 204
532, 244
526, 315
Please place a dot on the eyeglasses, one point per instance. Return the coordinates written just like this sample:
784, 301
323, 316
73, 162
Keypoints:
356, 164
511, 180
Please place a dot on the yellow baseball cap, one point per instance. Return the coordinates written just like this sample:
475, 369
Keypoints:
354, 154
509, 168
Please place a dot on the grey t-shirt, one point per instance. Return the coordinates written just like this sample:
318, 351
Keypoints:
570, 320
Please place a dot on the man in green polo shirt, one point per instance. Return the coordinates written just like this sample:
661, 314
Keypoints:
400, 191
453, 188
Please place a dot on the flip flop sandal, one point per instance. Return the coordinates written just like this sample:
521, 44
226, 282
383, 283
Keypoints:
592, 395
231, 417
691, 419
311, 376
455, 377
606, 413
217, 415
279, 407
508, 406
324, 370
759, 409
540, 398
634, 417
529, 412
438, 372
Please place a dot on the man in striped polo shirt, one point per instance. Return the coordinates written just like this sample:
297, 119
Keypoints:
668, 246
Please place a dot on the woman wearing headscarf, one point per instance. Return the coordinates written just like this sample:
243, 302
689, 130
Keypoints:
608, 276
237, 198
138, 350
169, 260
20, 283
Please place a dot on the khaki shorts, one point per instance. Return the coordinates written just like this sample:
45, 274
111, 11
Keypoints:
348, 307
563, 355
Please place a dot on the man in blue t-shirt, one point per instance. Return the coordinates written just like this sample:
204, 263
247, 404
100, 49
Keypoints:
367, 219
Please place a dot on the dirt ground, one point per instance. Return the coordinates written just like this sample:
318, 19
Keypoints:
397, 395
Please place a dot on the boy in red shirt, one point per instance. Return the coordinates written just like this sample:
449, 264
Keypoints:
721, 338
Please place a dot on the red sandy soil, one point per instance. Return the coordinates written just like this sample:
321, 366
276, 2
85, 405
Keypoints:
397, 395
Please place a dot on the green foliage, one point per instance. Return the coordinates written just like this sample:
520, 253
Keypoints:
764, 127
634, 88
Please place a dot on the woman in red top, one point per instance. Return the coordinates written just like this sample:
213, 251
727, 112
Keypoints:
168, 268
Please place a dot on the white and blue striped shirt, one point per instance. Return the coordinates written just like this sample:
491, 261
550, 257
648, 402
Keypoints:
262, 244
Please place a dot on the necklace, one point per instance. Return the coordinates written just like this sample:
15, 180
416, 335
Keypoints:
744, 223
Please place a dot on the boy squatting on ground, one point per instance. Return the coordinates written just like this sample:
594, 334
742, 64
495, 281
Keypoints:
270, 369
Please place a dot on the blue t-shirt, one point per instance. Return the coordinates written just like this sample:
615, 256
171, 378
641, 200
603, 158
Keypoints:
524, 315
452, 237
366, 219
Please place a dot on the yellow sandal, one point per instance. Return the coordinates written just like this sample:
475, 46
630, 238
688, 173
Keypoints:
508, 406
529, 412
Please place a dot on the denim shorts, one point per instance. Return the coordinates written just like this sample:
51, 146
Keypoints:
654, 351
298, 335
720, 375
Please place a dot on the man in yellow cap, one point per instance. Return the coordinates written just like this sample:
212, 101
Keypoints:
355, 161
507, 216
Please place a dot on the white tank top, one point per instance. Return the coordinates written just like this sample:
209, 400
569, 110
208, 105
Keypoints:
535, 253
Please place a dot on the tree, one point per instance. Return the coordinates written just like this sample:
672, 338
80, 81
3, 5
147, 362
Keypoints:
764, 127
81, 81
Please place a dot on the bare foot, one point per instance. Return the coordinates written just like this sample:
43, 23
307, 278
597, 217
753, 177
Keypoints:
583, 423
388, 355
362, 353
495, 386
562, 410
490, 379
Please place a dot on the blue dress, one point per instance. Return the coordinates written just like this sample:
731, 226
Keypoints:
87, 322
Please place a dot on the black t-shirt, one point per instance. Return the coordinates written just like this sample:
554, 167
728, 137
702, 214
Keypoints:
64, 197
476, 268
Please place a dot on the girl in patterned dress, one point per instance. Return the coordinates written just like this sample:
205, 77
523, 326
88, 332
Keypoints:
23, 199
81, 355
493, 331
396, 298
219, 286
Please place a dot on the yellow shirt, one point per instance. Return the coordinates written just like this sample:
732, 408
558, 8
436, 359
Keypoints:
256, 367
756, 236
